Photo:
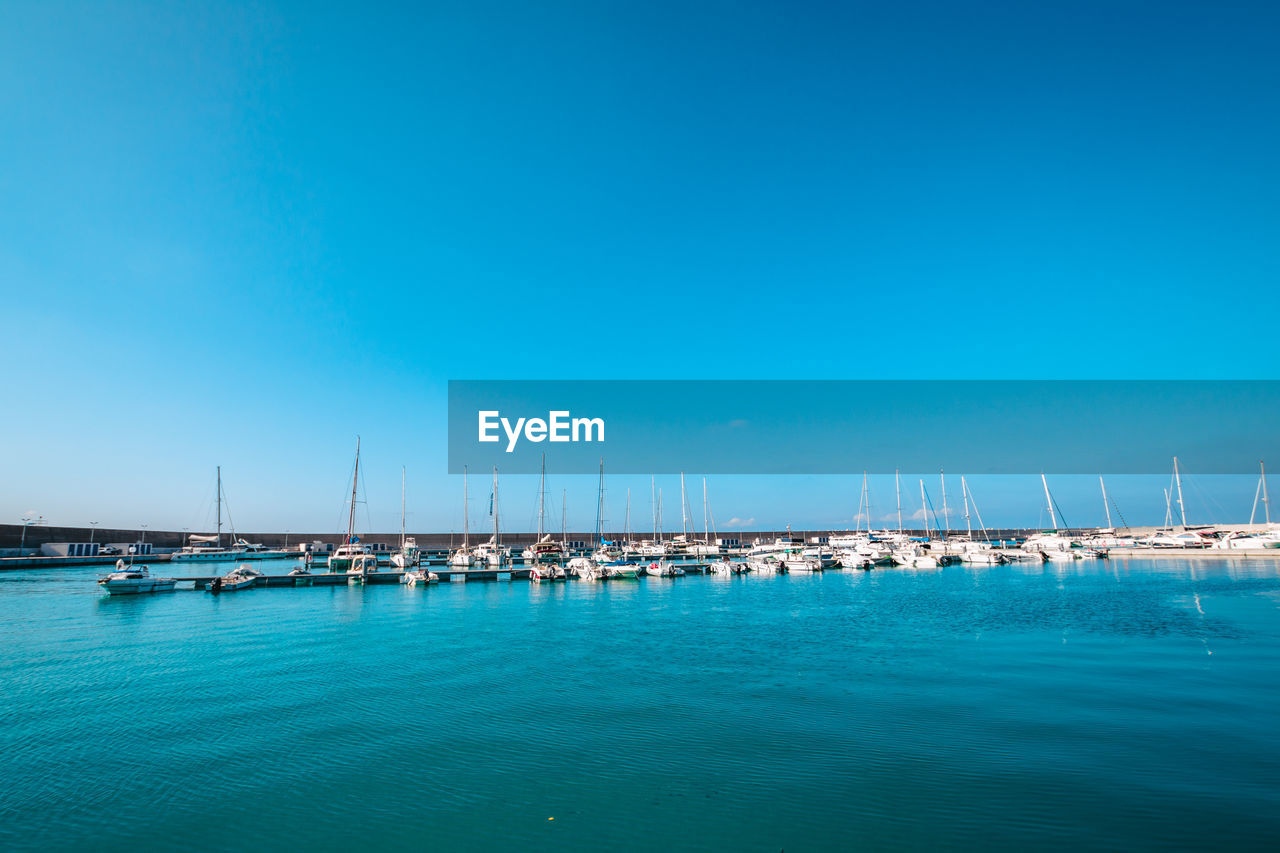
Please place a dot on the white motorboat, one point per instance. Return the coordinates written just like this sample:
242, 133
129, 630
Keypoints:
242, 577
915, 558
419, 576
768, 564
794, 562
664, 569
585, 568
728, 567
547, 572
134, 580
622, 570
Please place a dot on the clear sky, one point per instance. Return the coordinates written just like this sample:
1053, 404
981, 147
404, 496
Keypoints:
243, 234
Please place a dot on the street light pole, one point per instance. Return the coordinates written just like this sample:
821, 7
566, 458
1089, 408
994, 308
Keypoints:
93, 528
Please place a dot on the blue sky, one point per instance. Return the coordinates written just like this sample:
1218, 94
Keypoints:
243, 234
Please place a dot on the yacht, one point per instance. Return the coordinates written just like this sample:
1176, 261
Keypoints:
585, 568
728, 567
134, 580
769, 564
915, 557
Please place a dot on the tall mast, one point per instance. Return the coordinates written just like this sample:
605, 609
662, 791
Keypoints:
626, 520
355, 478
542, 495
1266, 504
659, 516
564, 518
924, 509
1177, 478
1106, 504
964, 490
466, 521
866, 502
1049, 500
653, 505
600, 508
946, 516
706, 527
684, 516
220, 507
494, 508
401, 506
897, 482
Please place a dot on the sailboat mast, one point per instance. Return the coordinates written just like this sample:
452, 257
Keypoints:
897, 482
1266, 504
542, 495
653, 505
355, 479
866, 502
600, 508
964, 490
684, 516
466, 520
1106, 504
1177, 478
220, 507
564, 518
946, 516
401, 506
495, 505
626, 520
924, 509
706, 527
1048, 499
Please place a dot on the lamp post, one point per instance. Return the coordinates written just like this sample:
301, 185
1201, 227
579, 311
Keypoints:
27, 521
286, 540
93, 528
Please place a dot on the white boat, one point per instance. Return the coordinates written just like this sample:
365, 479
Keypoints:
242, 577
419, 576
585, 568
408, 556
347, 553
767, 564
622, 570
793, 561
361, 567
915, 557
1170, 539
492, 554
546, 573
544, 549
464, 557
663, 569
728, 567
851, 559
134, 580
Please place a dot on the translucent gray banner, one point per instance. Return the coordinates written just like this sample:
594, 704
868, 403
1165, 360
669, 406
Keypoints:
846, 427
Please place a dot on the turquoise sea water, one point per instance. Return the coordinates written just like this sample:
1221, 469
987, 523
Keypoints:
1125, 704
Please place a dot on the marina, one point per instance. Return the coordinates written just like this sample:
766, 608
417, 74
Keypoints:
968, 706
